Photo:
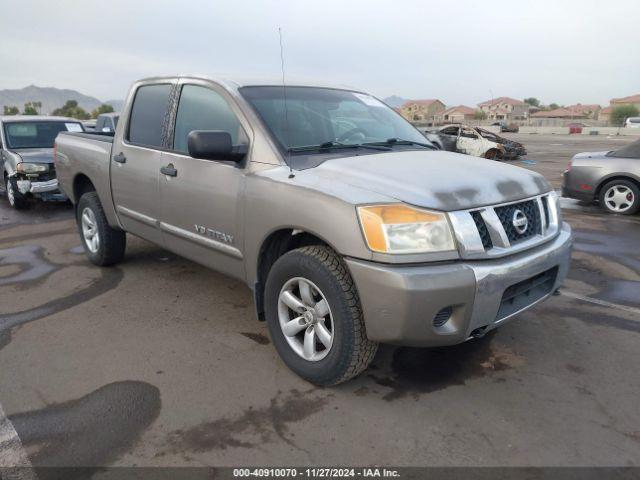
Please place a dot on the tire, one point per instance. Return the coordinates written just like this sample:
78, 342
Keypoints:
620, 196
16, 199
110, 245
350, 351
493, 154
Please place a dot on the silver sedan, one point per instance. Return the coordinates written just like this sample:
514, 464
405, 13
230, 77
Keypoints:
610, 178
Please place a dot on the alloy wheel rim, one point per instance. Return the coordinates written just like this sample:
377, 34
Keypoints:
305, 319
10, 195
90, 230
619, 198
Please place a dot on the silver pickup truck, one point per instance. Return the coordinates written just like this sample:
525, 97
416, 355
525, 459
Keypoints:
26, 157
350, 228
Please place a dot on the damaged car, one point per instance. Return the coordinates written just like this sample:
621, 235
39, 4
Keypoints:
475, 141
26, 157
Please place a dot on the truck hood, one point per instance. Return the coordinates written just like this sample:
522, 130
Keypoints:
35, 155
435, 179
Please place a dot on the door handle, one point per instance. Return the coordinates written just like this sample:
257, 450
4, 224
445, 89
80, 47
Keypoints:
169, 170
120, 158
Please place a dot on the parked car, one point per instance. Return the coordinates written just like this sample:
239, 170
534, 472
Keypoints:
26, 157
107, 122
475, 141
507, 127
610, 178
632, 122
347, 224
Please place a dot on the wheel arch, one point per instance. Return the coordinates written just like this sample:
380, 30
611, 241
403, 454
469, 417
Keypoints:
615, 176
273, 246
81, 185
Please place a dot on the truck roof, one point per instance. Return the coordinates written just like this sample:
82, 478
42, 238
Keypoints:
239, 82
36, 118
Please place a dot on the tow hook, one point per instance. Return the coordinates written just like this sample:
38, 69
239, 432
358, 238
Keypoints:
479, 332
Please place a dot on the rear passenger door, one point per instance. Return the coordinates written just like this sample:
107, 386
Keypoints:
135, 162
201, 208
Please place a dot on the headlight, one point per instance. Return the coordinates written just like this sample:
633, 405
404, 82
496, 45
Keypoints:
32, 167
402, 229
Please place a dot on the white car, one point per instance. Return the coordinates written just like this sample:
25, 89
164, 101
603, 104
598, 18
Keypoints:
632, 122
467, 139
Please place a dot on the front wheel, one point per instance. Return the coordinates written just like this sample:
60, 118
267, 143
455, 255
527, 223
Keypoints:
103, 244
14, 197
620, 196
314, 316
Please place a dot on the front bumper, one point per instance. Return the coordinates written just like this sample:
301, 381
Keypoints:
400, 302
47, 190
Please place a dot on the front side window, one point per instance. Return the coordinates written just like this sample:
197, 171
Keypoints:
201, 108
314, 116
148, 115
36, 134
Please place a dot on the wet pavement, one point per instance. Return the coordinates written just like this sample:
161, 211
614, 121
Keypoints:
159, 361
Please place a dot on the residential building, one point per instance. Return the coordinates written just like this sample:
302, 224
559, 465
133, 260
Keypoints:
605, 114
505, 109
590, 111
556, 118
459, 114
631, 100
423, 111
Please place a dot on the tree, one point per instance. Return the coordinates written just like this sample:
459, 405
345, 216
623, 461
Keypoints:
104, 108
11, 110
71, 109
30, 109
533, 101
553, 106
480, 115
621, 113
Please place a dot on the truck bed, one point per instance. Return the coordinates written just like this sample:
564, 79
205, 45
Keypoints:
85, 156
99, 136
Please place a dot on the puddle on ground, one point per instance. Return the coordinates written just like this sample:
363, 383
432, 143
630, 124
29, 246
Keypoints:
414, 371
250, 429
92, 430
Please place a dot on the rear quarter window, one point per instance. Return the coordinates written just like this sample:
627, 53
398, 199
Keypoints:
148, 115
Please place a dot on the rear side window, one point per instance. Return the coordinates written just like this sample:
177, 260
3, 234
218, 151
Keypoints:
148, 115
201, 108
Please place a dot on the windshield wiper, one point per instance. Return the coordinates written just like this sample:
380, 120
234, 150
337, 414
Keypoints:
335, 145
400, 141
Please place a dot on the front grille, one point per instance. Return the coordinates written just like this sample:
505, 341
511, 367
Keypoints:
530, 209
482, 230
545, 207
523, 294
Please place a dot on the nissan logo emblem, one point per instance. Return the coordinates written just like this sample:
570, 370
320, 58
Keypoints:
519, 221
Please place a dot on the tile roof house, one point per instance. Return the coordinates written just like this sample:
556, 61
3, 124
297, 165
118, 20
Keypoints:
559, 113
588, 110
505, 108
423, 111
631, 100
459, 114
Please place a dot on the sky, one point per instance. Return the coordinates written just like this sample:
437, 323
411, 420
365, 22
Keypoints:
461, 51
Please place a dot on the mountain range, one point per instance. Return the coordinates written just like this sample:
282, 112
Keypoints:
51, 98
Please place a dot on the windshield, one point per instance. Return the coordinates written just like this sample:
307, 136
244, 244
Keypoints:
36, 134
330, 118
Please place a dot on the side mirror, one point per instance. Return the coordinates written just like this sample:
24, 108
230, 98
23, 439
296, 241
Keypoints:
214, 145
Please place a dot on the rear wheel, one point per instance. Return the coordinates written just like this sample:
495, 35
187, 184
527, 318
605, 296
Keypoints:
103, 244
314, 316
620, 196
14, 197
